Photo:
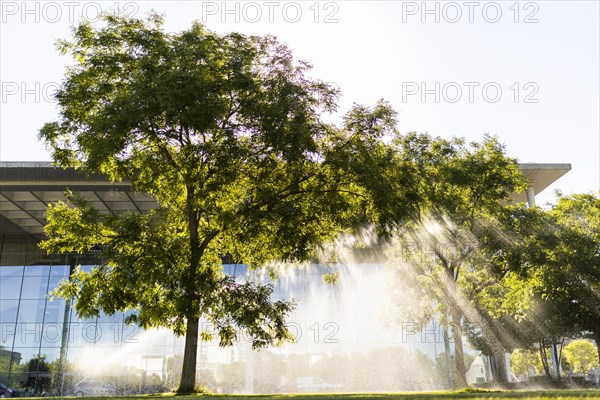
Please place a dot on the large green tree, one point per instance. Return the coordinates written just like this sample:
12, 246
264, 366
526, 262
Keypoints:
225, 132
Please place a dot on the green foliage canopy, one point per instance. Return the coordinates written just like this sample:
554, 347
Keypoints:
522, 362
225, 132
582, 355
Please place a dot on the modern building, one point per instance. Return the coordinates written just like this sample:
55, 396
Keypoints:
37, 332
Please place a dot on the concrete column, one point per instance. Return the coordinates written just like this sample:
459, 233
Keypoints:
249, 387
530, 196
64, 343
489, 372
555, 365
508, 370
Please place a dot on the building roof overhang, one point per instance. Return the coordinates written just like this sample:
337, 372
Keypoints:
26, 189
540, 176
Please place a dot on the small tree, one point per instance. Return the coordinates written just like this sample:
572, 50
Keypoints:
522, 362
582, 355
571, 277
503, 289
547, 274
457, 190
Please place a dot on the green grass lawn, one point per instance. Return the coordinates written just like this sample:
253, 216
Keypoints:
475, 395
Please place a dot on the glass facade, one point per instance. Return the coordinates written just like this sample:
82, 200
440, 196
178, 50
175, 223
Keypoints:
45, 348
338, 328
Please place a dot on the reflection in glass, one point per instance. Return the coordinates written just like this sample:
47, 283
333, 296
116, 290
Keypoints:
8, 311
10, 287
86, 268
52, 334
37, 270
35, 372
83, 334
35, 287
54, 282
50, 353
11, 271
116, 317
27, 353
55, 311
32, 310
60, 270
28, 334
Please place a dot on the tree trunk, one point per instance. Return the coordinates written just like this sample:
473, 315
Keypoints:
459, 358
544, 357
493, 366
449, 372
501, 374
451, 296
187, 384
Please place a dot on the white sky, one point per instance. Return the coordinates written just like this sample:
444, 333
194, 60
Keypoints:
549, 50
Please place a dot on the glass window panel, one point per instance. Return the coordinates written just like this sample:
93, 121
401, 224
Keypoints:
37, 270
86, 268
28, 334
74, 318
50, 353
74, 353
52, 334
7, 334
240, 270
8, 311
5, 360
131, 333
59, 270
54, 281
109, 334
10, 287
116, 317
35, 371
26, 353
74, 337
55, 311
32, 310
11, 271
82, 334
163, 350
35, 287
